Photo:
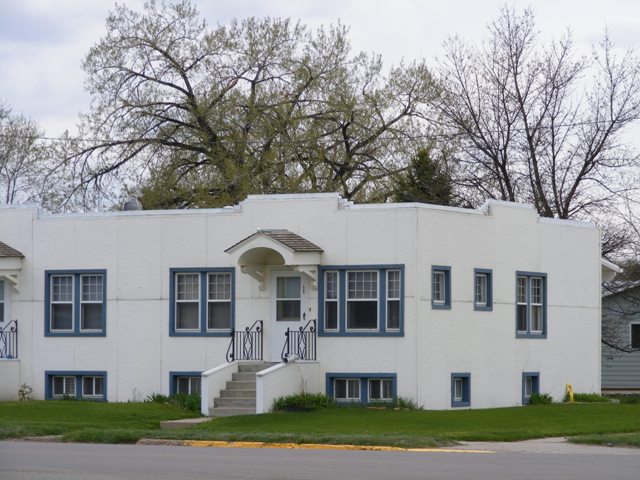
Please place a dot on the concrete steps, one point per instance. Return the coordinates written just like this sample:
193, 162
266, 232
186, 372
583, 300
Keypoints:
239, 397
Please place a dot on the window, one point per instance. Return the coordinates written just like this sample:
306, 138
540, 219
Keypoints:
61, 302
92, 386
346, 389
188, 385
188, 301
635, 335
331, 301
64, 386
75, 303
440, 287
482, 289
201, 301
393, 299
2, 307
288, 299
80, 385
460, 389
219, 301
531, 304
361, 387
91, 300
185, 382
530, 385
380, 389
361, 300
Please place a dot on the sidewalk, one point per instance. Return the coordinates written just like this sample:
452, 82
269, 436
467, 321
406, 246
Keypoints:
558, 445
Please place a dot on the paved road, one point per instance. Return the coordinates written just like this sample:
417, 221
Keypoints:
55, 461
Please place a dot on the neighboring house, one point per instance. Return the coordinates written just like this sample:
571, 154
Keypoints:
621, 338
445, 306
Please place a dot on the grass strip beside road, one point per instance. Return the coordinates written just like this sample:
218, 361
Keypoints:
609, 440
498, 424
129, 422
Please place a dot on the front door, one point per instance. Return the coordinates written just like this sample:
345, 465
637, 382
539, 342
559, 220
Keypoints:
289, 309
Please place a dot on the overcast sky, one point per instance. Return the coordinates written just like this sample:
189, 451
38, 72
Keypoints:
42, 42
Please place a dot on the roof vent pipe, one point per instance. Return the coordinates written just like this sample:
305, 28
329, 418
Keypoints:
131, 205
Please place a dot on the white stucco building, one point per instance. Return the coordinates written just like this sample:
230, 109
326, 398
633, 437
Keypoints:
448, 307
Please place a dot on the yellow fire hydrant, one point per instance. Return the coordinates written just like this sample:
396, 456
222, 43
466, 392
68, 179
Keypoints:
569, 393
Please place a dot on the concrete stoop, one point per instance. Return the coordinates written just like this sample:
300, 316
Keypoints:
239, 397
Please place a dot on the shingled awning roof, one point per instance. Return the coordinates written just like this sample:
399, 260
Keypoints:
7, 251
271, 247
289, 239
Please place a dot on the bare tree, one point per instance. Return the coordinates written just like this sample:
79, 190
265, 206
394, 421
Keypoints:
537, 124
22, 162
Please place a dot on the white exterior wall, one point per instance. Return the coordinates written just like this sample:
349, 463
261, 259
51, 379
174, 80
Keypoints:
285, 379
138, 249
10, 379
484, 344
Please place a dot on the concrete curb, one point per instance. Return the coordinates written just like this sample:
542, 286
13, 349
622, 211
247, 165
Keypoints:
301, 446
43, 439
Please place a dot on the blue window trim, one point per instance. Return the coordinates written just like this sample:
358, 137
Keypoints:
529, 333
342, 330
535, 385
76, 331
78, 374
364, 383
175, 374
203, 332
447, 287
466, 389
489, 275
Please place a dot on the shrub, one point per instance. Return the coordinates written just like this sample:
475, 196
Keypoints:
157, 398
24, 392
186, 401
628, 398
406, 404
302, 402
541, 399
400, 403
588, 398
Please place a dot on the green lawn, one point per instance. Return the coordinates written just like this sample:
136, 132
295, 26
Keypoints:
127, 422
37, 418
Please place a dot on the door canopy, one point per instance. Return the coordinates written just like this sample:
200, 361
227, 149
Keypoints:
10, 265
276, 247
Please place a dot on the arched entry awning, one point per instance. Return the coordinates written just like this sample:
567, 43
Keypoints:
276, 247
10, 265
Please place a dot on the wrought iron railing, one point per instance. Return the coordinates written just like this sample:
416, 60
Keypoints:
9, 340
246, 344
301, 342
